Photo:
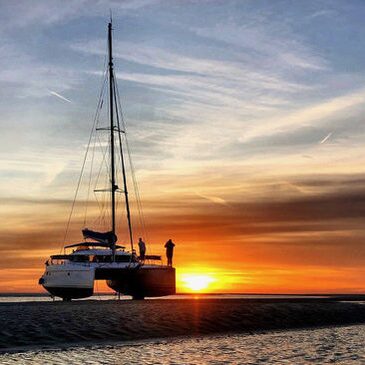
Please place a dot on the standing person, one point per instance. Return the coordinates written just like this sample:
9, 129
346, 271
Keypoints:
142, 249
169, 245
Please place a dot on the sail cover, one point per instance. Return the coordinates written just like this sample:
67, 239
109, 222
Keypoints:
104, 237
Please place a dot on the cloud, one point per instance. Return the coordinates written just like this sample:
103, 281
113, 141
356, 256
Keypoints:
32, 77
220, 72
322, 13
211, 91
319, 112
44, 13
268, 39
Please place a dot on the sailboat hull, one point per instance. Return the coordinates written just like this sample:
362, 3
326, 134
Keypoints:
69, 281
145, 281
70, 293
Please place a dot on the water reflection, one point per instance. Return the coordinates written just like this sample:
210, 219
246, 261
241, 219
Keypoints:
340, 345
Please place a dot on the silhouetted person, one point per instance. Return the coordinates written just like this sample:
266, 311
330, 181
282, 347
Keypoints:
142, 249
169, 245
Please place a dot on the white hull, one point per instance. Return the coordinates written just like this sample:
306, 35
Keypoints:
69, 276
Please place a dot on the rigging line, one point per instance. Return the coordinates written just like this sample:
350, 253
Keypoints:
90, 177
82, 171
103, 182
104, 160
100, 105
96, 135
123, 167
100, 208
136, 189
135, 183
101, 218
103, 205
107, 210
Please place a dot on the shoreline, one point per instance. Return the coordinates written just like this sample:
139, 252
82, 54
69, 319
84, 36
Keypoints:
193, 294
40, 325
112, 343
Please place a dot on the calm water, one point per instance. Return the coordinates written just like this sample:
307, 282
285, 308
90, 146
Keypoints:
17, 298
339, 345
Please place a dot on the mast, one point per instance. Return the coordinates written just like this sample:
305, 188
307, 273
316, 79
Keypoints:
111, 110
113, 98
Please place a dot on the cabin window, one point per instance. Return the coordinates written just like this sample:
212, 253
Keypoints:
122, 258
103, 258
80, 258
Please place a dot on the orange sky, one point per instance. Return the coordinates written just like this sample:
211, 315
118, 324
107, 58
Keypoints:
291, 245
245, 124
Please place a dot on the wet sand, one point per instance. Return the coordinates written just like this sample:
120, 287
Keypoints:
44, 324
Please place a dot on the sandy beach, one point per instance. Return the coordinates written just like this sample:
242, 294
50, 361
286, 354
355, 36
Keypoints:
43, 324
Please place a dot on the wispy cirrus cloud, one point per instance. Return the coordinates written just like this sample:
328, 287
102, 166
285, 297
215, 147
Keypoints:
44, 13
323, 13
211, 91
266, 40
224, 72
31, 77
317, 113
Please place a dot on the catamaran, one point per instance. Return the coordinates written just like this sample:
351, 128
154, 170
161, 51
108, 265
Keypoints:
72, 274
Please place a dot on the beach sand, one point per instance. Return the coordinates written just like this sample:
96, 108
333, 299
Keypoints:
43, 324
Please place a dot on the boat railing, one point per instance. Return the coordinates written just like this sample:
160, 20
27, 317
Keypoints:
152, 259
86, 260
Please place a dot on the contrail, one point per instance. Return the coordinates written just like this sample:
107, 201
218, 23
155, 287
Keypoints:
214, 199
59, 96
326, 138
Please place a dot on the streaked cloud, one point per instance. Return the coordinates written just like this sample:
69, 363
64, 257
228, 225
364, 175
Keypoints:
318, 112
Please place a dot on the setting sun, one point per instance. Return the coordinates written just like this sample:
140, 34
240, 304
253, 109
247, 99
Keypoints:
196, 282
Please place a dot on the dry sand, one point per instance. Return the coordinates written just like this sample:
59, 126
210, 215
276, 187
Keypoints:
41, 324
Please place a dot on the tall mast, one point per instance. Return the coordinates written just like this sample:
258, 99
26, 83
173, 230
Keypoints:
111, 111
113, 97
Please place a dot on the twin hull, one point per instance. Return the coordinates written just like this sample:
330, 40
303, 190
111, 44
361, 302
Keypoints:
76, 281
147, 281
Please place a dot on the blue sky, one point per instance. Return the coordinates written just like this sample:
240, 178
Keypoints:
225, 101
249, 72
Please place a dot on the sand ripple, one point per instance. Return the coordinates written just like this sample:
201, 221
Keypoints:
51, 324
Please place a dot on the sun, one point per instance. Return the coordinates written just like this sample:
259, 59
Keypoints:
196, 282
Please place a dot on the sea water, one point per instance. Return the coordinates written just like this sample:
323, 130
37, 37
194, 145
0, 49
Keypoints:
334, 345
21, 298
